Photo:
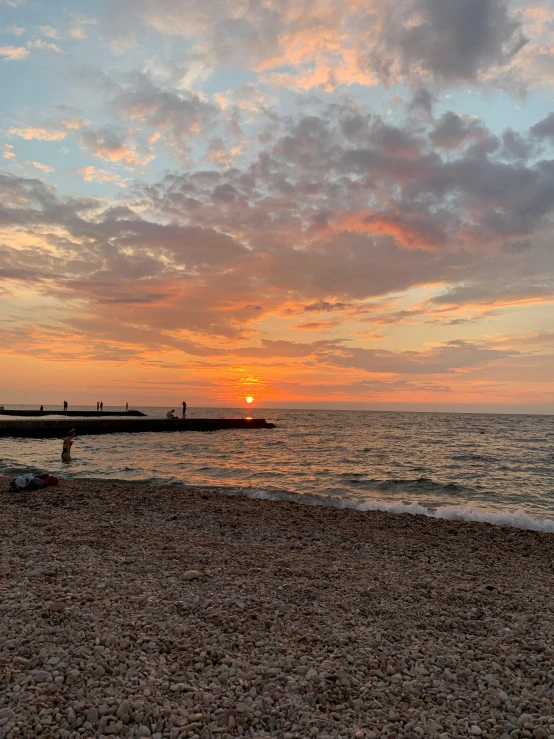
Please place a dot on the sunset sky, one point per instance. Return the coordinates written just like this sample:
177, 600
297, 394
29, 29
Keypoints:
313, 202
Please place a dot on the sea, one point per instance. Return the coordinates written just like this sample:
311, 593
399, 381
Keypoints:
482, 467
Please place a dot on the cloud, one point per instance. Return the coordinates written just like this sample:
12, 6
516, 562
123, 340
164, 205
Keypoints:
448, 40
13, 53
14, 30
91, 174
7, 152
330, 219
74, 124
450, 357
49, 31
111, 145
544, 128
330, 44
452, 130
180, 115
44, 46
78, 32
37, 132
172, 117
43, 167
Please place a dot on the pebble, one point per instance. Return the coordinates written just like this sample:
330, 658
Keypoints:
57, 606
72, 676
192, 575
377, 625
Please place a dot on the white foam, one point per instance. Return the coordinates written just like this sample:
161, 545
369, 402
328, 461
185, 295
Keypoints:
518, 518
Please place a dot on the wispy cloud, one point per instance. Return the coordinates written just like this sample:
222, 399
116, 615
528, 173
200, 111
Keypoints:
7, 152
13, 53
78, 32
44, 46
91, 174
43, 167
15, 30
37, 132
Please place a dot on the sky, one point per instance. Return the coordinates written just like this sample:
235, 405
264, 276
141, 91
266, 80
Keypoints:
316, 203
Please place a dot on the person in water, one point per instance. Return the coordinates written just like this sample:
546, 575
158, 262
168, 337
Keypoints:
67, 444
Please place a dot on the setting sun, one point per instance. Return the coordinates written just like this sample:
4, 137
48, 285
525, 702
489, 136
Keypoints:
249, 399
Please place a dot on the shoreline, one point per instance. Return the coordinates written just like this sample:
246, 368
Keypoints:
517, 518
353, 623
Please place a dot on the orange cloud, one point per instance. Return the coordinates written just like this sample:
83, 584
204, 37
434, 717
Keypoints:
91, 174
410, 230
37, 132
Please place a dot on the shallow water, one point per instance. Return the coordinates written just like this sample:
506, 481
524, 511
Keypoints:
422, 462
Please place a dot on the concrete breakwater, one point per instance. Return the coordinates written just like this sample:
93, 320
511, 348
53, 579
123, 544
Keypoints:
71, 414
58, 428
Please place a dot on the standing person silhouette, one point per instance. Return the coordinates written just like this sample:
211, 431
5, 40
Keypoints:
67, 444
184, 409
101, 405
126, 407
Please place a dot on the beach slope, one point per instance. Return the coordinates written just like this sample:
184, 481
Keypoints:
127, 610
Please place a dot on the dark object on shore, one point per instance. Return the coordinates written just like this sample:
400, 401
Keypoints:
80, 414
57, 428
30, 482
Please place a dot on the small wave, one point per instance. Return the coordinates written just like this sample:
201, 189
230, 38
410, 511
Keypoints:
418, 484
518, 519
474, 458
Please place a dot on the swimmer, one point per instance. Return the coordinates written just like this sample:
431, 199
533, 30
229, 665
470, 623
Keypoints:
67, 444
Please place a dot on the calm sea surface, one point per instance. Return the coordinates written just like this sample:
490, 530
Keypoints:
432, 463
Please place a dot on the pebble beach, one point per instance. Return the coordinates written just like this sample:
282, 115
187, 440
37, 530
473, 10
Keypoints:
134, 611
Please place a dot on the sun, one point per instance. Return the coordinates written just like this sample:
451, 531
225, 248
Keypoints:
249, 399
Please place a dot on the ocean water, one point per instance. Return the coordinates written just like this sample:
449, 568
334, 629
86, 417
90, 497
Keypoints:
495, 468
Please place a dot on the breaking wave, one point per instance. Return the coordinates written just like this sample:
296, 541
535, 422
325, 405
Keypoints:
518, 518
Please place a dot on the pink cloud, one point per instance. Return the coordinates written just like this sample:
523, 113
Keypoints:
13, 53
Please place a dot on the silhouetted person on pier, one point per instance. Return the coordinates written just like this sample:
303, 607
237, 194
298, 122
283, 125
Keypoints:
171, 414
184, 409
126, 407
67, 444
41, 408
65, 405
101, 405
98, 406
